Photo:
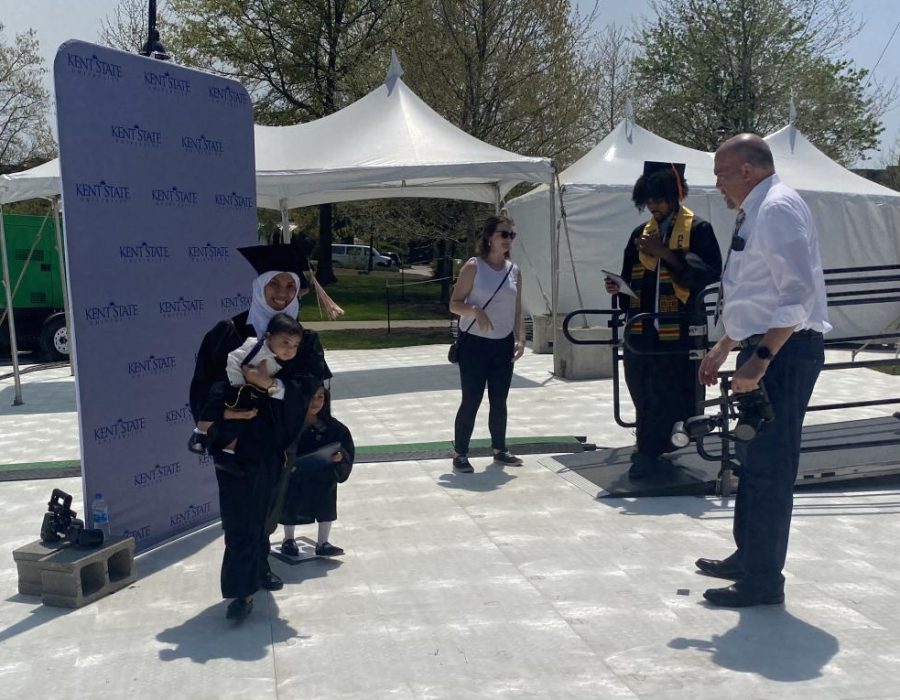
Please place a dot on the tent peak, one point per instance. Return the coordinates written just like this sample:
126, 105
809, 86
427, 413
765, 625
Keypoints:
395, 70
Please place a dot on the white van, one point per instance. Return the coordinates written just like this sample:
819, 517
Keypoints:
356, 256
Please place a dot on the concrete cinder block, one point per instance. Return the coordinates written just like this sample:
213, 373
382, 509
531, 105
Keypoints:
71, 577
542, 334
571, 361
28, 563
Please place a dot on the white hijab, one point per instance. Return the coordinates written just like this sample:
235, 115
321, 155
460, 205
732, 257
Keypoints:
260, 311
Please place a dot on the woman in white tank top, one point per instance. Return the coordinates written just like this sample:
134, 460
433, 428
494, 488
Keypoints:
488, 300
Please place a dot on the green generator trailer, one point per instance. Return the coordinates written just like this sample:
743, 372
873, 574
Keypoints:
38, 302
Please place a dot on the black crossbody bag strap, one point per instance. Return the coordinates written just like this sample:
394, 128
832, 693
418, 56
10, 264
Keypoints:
499, 286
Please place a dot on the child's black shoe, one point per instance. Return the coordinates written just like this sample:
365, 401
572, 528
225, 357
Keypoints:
197, 443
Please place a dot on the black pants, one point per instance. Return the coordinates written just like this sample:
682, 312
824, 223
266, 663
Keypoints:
484, 362
245, 501
769, 464
665, 390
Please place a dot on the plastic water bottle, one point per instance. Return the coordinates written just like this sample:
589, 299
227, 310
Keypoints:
100, 514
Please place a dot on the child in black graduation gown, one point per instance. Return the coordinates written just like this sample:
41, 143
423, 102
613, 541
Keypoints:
310, 492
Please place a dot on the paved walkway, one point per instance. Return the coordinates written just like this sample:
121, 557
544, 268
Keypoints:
511, 582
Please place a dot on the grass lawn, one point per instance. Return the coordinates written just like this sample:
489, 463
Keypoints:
362, 296
366, 339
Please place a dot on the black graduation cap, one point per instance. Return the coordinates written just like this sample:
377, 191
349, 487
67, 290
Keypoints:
274, 258
652, 166
655, 166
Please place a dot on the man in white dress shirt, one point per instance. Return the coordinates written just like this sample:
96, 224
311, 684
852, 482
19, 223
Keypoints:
775, 310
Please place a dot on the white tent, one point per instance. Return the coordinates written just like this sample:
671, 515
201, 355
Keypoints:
387, 144
596, 195
42, 181
858, 220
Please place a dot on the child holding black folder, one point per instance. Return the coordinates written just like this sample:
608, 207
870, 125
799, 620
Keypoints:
324, 459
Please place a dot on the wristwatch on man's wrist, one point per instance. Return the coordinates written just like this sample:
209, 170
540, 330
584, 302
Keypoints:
763, 353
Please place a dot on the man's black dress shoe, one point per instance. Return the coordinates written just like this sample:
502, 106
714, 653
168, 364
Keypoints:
732, 597
271, 582
720, 568
239, 608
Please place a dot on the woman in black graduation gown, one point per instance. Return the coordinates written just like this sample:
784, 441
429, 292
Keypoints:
311, 492
246, 492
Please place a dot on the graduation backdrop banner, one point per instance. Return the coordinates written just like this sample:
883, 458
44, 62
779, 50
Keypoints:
159, 189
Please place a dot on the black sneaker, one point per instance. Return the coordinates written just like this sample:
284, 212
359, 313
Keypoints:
505, 457
197, 443
461, 465
239, 608
290, 548
326, 549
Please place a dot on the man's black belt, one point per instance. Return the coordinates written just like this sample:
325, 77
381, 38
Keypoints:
755, 340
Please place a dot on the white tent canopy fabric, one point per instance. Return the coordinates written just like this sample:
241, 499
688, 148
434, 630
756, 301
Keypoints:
387, 144
42, 181
857, 220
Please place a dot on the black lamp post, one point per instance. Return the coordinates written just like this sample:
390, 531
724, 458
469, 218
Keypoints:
154, 48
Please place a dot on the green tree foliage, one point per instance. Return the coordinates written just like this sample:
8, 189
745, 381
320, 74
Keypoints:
301, 60
516, 73
713, 68
25, 138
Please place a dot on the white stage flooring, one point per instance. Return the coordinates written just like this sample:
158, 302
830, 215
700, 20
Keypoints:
510, 582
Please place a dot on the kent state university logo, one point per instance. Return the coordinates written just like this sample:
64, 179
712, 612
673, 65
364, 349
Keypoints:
235, 201
192, 514
235, 304
179, 416
111, 313
173, 197
208, 253
181, 307
135, 135
102, 192
151, 366
93, 67
156, 475
121, 429
202, 146
144, 253
164, 81
228, 96
139, 533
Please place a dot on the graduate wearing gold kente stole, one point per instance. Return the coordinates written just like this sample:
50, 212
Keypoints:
667, 262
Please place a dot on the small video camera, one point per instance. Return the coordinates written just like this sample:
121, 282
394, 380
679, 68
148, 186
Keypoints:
752, 409
60, 524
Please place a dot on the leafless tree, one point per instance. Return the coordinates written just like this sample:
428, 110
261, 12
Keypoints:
25, 137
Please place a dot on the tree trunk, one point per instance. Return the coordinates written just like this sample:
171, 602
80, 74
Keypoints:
325, 271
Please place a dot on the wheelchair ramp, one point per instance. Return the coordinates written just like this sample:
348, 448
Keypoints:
830, 452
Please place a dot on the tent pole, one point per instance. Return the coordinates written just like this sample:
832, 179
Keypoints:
13, 347
498, 200
554, 266
67, 307
285, 221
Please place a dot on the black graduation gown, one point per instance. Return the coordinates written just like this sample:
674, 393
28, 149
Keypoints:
246, 498
312, 497
665, 388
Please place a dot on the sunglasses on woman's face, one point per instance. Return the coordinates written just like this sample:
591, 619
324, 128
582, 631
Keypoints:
506, 234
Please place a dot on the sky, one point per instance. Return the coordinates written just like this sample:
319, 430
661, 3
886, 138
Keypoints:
58, 20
